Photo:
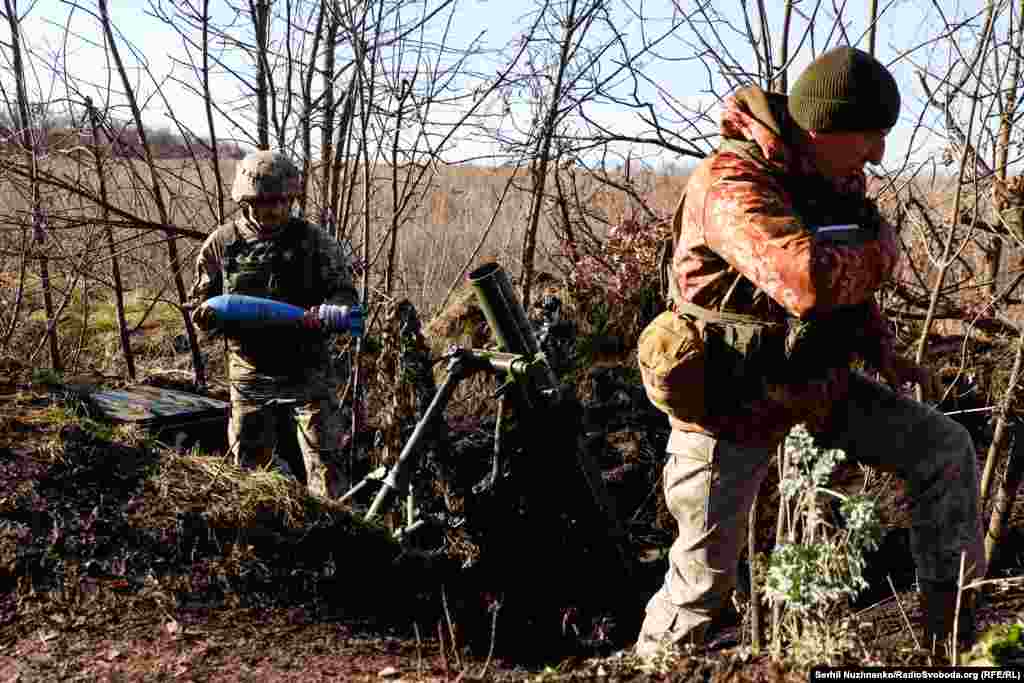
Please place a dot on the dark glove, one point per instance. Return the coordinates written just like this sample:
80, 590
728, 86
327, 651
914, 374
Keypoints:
825, 341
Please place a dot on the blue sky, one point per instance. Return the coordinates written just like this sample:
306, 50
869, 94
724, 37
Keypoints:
905, 25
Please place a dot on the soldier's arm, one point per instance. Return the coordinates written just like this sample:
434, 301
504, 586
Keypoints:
749, 220
208, 281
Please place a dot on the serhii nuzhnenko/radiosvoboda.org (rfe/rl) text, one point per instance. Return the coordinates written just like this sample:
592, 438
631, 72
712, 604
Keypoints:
916, 674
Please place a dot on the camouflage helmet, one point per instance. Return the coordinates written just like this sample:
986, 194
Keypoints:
266, 175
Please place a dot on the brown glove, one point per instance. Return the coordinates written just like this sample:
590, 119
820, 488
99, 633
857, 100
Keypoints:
311, 321
898, 370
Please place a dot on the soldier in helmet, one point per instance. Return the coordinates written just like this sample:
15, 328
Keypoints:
266, 252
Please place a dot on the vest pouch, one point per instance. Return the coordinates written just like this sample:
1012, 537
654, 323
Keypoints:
670, 352
830, 341
284, 269
737, 358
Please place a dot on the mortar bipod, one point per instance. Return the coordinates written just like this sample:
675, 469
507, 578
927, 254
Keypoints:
462, 363
521, 371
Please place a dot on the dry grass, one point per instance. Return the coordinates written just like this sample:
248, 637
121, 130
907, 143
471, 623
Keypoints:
228, 496
456, 211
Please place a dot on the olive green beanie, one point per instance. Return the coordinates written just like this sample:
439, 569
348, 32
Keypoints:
845, 90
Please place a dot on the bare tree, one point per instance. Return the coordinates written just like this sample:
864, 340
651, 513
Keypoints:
397, 101
38, 215
174, 260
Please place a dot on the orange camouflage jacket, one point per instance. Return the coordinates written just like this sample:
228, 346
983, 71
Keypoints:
748, 242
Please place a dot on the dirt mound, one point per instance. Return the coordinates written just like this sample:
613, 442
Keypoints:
183, 529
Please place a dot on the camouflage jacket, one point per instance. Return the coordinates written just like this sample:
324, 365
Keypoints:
747, 243
272, 355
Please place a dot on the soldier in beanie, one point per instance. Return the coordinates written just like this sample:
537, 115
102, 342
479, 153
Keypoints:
268, 253
778, 255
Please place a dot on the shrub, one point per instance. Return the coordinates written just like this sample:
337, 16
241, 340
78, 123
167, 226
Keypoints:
821, 564
619, 283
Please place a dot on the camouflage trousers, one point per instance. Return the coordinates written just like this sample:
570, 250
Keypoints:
259, 407
710, 485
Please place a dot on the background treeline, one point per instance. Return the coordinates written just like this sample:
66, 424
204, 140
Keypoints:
63, 134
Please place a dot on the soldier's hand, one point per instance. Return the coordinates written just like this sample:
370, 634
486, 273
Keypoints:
898, 370
204, 317
311, 320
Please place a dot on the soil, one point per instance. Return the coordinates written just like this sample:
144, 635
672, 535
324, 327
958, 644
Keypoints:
99, 581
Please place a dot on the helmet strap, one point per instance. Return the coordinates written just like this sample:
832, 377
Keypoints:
249, 215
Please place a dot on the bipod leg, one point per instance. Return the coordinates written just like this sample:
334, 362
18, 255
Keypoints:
606, 505
356, 489
491, 480
398, 477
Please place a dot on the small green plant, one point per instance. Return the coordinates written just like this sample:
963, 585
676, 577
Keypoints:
821, 564
1000, 645
46, 377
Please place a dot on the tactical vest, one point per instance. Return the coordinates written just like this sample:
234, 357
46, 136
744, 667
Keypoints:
741, 350
284, 268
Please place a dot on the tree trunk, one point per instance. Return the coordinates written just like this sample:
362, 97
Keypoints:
115, 267
330, 108
38, 216
19, 296
158, 198
1005, 497
994, 252
389, 270
544, 155
260, 10
208, 101
780, 532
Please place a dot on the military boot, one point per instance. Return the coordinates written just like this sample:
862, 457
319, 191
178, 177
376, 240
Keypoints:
938, 602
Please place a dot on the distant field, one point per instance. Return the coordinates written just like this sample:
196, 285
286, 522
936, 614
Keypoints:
453, 211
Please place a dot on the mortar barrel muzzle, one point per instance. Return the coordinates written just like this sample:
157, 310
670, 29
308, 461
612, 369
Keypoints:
502, 309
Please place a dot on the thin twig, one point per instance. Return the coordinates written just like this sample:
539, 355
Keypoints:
953, 646
419, 650
899, 603
495, 608
451, 626
755, 589
444, 650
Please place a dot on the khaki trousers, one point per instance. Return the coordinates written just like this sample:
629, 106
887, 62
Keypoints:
710, 485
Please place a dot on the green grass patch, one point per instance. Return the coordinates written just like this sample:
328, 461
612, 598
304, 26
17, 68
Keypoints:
102, 314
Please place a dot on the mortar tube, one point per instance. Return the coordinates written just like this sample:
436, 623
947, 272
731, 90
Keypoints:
504, 313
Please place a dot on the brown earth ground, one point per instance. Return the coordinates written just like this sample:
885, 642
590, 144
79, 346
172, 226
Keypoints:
83, 503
